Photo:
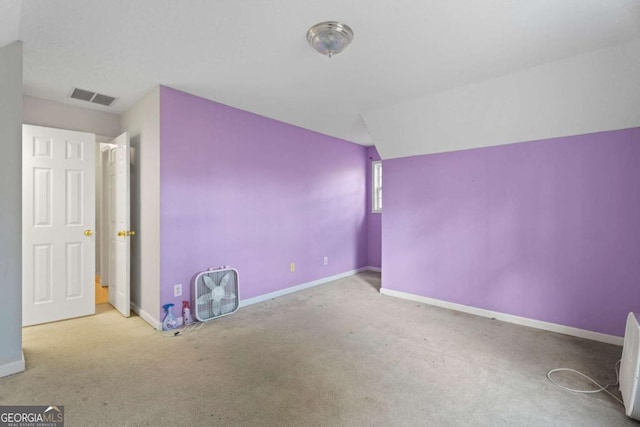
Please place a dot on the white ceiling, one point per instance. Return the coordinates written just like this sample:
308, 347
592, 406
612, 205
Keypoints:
253, 55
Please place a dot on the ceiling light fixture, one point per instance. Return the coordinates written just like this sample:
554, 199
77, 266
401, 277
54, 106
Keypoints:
329, 38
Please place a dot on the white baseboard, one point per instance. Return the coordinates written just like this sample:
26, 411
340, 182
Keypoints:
292, 289
155, 323
532, 323
376, 269
12, 367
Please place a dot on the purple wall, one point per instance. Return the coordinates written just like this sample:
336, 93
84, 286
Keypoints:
548, 230
250, 192
374, 220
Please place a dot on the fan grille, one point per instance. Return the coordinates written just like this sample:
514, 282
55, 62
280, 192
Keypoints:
216, 294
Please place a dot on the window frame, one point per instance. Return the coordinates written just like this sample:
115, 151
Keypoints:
376, 186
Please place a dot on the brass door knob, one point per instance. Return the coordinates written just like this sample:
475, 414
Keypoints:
88, 233
131, 233
122, 233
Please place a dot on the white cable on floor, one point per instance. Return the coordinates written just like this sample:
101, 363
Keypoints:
189, 328
598, 390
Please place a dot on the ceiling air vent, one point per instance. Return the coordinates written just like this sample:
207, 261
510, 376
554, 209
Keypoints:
96, 98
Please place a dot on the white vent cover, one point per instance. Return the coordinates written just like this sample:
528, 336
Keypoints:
629, 367
93, 97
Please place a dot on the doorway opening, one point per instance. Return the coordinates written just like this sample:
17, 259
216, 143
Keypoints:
104, 210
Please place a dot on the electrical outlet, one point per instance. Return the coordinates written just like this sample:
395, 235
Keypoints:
177, 290
292, 267
326, 260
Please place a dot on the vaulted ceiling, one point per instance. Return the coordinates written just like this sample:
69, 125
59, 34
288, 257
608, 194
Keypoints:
253, 54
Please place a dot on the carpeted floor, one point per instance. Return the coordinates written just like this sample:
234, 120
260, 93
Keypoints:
339, 354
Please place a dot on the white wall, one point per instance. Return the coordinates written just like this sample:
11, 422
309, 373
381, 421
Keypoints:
593, 92
142, 122
42, 112
11, 359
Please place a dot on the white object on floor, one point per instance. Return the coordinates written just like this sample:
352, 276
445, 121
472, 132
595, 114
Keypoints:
588, 378
215, 293
629, 367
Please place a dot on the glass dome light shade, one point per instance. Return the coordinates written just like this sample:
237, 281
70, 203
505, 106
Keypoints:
329, 38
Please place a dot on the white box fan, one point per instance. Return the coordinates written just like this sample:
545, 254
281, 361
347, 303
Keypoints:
216, 293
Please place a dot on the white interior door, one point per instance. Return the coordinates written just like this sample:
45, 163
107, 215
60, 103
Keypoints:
119, 230
58, 208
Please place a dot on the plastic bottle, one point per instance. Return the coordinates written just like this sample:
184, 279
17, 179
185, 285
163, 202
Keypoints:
170, 321
186, 312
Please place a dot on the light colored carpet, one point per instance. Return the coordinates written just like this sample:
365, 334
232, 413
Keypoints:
339, 354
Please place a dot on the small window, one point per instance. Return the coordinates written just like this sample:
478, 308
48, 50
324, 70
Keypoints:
376, 187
